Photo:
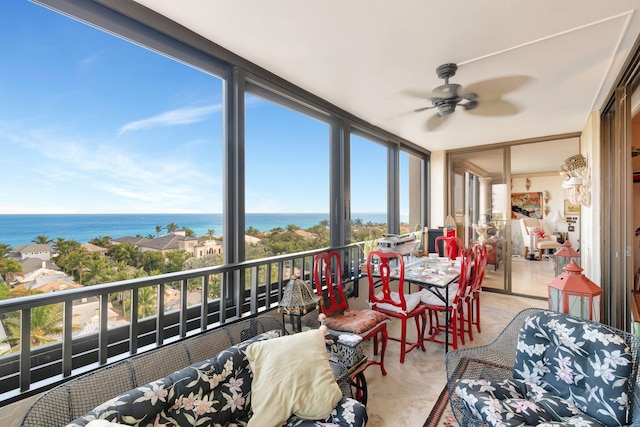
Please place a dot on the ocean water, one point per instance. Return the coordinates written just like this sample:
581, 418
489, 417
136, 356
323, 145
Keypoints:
17, 230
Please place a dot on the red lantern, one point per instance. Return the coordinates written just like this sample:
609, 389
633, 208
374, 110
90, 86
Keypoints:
564, 255
573, 293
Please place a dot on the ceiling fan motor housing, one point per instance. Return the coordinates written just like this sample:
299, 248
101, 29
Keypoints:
445, 71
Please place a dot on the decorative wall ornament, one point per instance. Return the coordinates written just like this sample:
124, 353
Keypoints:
527, 184
547, 197
577, 180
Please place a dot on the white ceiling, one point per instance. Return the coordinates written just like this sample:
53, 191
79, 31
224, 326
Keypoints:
369, 56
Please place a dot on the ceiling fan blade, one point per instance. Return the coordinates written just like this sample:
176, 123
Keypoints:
424, 108
471, 96
496, 107
470, 105
497, 87
436, 121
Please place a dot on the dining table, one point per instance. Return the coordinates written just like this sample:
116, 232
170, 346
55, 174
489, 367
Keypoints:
432, 274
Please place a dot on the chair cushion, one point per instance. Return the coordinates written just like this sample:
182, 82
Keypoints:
580, 361
510, 403
355, 321
567, 371
429, 298
293, 371
411, 301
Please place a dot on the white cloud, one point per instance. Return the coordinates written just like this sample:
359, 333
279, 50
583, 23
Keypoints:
180, 116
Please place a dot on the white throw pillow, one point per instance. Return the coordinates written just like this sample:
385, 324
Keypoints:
291, 375
411, 300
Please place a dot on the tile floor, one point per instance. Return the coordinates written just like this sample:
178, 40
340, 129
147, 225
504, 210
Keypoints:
405, 396
527, 277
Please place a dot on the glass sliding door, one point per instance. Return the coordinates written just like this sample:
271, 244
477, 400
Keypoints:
479, 205
537, 197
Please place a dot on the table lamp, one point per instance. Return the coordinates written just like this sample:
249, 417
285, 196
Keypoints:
556, 218
297, 299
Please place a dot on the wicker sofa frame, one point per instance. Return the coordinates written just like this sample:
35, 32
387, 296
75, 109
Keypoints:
72, 399
496, 361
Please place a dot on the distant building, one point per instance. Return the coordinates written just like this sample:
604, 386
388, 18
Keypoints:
251, 239
135, 241
32, 268
176, 240
92, 249
208, 247
46, 280
33, 250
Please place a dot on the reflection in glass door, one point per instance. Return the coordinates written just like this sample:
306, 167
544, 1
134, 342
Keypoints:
479, 205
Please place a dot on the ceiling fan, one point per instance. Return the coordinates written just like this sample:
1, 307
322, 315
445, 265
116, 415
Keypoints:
484, 98
446, 97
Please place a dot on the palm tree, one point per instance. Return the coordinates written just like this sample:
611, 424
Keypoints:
176, 259
211, 232
46, 325
42, 239
74, 263
9, 268
159, 228
147, 302
171, 227
124, 252
97, 271
4, 249
46, 320
252, 231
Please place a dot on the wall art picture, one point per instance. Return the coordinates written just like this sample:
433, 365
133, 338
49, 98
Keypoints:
571, 208
526, 205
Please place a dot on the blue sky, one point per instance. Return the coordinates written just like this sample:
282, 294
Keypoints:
90, 123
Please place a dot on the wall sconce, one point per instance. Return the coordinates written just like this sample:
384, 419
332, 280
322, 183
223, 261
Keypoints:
577, 180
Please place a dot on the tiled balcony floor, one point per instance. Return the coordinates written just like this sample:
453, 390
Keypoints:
405, 396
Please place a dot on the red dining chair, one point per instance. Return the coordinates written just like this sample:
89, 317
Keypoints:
452, 309
389, 269
451, 246
339, 317
472, 295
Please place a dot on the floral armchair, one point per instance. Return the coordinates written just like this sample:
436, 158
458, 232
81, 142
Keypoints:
547, 369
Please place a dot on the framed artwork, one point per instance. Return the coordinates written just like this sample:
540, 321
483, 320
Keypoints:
526, 205
571, 208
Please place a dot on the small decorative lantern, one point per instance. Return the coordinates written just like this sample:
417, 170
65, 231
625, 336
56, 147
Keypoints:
564, 255
297, 300
573, 293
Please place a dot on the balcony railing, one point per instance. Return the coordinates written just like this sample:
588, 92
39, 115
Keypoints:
246, 289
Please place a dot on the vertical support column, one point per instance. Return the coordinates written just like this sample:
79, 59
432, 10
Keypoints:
485, 204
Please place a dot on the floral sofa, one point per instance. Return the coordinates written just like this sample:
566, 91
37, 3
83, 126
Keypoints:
566, 371
216, 392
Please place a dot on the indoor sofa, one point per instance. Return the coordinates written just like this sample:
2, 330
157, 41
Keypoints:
216, 391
